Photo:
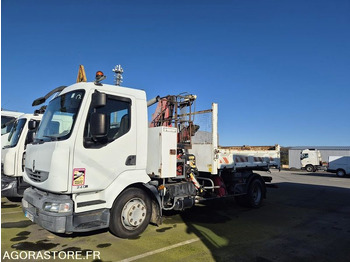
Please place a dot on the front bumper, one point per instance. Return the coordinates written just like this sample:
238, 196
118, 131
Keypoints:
9, 186
34, 200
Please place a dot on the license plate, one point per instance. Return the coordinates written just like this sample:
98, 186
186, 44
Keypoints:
29, 216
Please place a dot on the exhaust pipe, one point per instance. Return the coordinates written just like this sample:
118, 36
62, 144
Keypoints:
153, 101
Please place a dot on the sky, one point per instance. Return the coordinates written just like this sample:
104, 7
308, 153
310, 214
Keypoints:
279, 70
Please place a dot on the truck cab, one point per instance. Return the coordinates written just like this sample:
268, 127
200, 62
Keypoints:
7, 120
311, 160
90, 146
13, 156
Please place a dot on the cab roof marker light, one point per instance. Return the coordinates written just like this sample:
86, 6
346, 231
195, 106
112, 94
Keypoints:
99, 77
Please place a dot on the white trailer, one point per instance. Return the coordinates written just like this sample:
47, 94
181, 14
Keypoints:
109, 168
339, 165
13, 156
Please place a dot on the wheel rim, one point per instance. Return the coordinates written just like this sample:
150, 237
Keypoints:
134, 213
340, 173
256, 193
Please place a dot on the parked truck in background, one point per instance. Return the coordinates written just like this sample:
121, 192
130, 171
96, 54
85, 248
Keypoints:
105, 166
339, 165
13, 156
311, 160
7, 120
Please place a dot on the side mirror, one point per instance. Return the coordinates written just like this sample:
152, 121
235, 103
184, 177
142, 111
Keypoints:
99, 125
30, 137
99, 99
32, 124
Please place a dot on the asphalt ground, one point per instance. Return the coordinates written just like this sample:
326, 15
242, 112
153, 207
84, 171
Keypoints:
306, 217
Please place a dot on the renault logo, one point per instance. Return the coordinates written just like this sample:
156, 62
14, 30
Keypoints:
33, 167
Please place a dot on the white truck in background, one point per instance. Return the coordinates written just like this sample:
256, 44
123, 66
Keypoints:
339, 165
7, 120
13, 156
311, 160
108, 168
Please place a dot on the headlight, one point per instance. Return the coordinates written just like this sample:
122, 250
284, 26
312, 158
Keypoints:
25, 203
7, 185
57, 207
4, 184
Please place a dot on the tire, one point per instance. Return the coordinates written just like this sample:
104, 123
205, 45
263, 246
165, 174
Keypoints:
14, 199
341, 173
309, 168
254, 196
131, 213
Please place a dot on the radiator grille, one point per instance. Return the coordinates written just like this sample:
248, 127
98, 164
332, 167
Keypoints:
37, 176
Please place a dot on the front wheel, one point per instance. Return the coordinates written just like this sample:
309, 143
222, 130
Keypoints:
340, 173
309, 168
131, 213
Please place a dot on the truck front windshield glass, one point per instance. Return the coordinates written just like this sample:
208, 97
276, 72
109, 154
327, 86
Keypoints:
59, 118
16, 132
303, 156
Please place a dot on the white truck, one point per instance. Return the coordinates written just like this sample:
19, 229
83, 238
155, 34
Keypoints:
13, 156
7, 120
339, 165
108, 168
311, 160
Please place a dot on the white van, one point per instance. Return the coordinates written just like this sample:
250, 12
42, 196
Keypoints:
339, 165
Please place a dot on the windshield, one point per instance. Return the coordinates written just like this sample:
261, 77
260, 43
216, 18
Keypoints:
16, 132
60, 115
6, 120
303, 156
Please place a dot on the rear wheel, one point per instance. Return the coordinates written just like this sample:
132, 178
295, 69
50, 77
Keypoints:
254, 196
131, 213
309, 168
340, 173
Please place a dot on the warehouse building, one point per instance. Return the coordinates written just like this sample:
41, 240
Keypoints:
326, 151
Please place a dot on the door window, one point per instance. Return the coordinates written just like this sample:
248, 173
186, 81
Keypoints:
118, 113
